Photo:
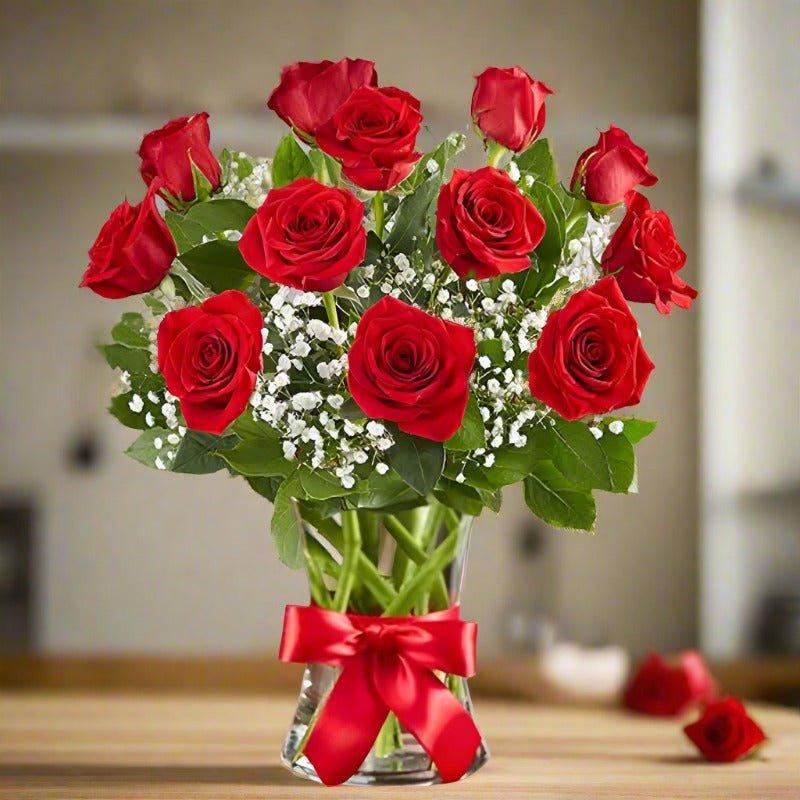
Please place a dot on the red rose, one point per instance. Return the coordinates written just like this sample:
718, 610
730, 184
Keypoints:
132, 252
589, 358
645, 257
309, 93
508, 106
484, 225
373, 134
725, 732
666, 688
169, 152
306, 235
209, 356
610, 169
411, 368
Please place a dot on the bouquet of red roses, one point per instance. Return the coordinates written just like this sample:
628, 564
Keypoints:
378, 344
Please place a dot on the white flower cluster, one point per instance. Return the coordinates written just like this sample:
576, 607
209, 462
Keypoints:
303, 395
249, 185
581, 269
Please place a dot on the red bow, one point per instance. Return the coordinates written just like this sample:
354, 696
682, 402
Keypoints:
386, 665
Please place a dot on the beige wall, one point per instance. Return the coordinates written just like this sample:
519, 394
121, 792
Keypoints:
137, 560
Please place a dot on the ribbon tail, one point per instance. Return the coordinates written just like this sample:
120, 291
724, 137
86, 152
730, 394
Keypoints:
347, 726
427, 708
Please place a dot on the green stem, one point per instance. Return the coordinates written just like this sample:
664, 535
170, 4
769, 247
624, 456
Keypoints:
351, 534
329, 302
408, 544
427, 574
376, 583
390, 737
316, 576
370, 534
377, 209
494, 154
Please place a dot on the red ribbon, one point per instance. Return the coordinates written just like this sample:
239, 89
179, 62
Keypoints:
386, 665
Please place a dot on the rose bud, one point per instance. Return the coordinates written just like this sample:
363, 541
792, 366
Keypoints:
306, 235
610, 169
725, 732
484, 225
373, 134
589, 358
210, 356
645, 257
667, 688
308, 93
169, 152
508, 106
133, 251
412, 368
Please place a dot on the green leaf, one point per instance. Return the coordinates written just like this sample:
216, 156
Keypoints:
290, 162
459, 496
558, 502
634, 429
512, 464
258, 456
575, 453
538, 160
318, 485
130, 331
550, 207
156, 306
126, 358
620, 461
207, 219
471, 434
384, 492
198, 453
144, 450
441, 155
351, 410
285, 527
218, 265
327, 170
411, 218
419, 462
266, 487
120, 409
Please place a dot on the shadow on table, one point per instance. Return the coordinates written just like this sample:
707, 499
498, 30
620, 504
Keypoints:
270, 775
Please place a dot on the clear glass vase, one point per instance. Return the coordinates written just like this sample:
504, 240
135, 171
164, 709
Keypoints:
396, 545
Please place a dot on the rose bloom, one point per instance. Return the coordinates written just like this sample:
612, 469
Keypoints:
132, 252
669, 687
169, 152
645, 257
610, 169
209, 356
411, 368
306, 235
589, 358
508, 106
309, 92
373, 134
484, 225
725, 732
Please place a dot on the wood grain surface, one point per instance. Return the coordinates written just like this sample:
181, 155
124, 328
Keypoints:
127, 747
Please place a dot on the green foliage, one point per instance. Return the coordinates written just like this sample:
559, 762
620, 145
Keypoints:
207, 220
538, 160
551, 208
285, 526
126, 358
556, 501
327, 170
607, 463
218, 265
120, 408
419, 462
198, 453
411, 218
290, 162
258, 453
144, 450
441, 155
459, 496
634, 429
471, 434
130, 331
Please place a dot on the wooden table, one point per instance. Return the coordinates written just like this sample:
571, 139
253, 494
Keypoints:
187, 747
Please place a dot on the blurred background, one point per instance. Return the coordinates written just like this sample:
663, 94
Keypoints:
101, 558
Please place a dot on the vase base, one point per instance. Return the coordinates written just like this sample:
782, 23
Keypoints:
411, 768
